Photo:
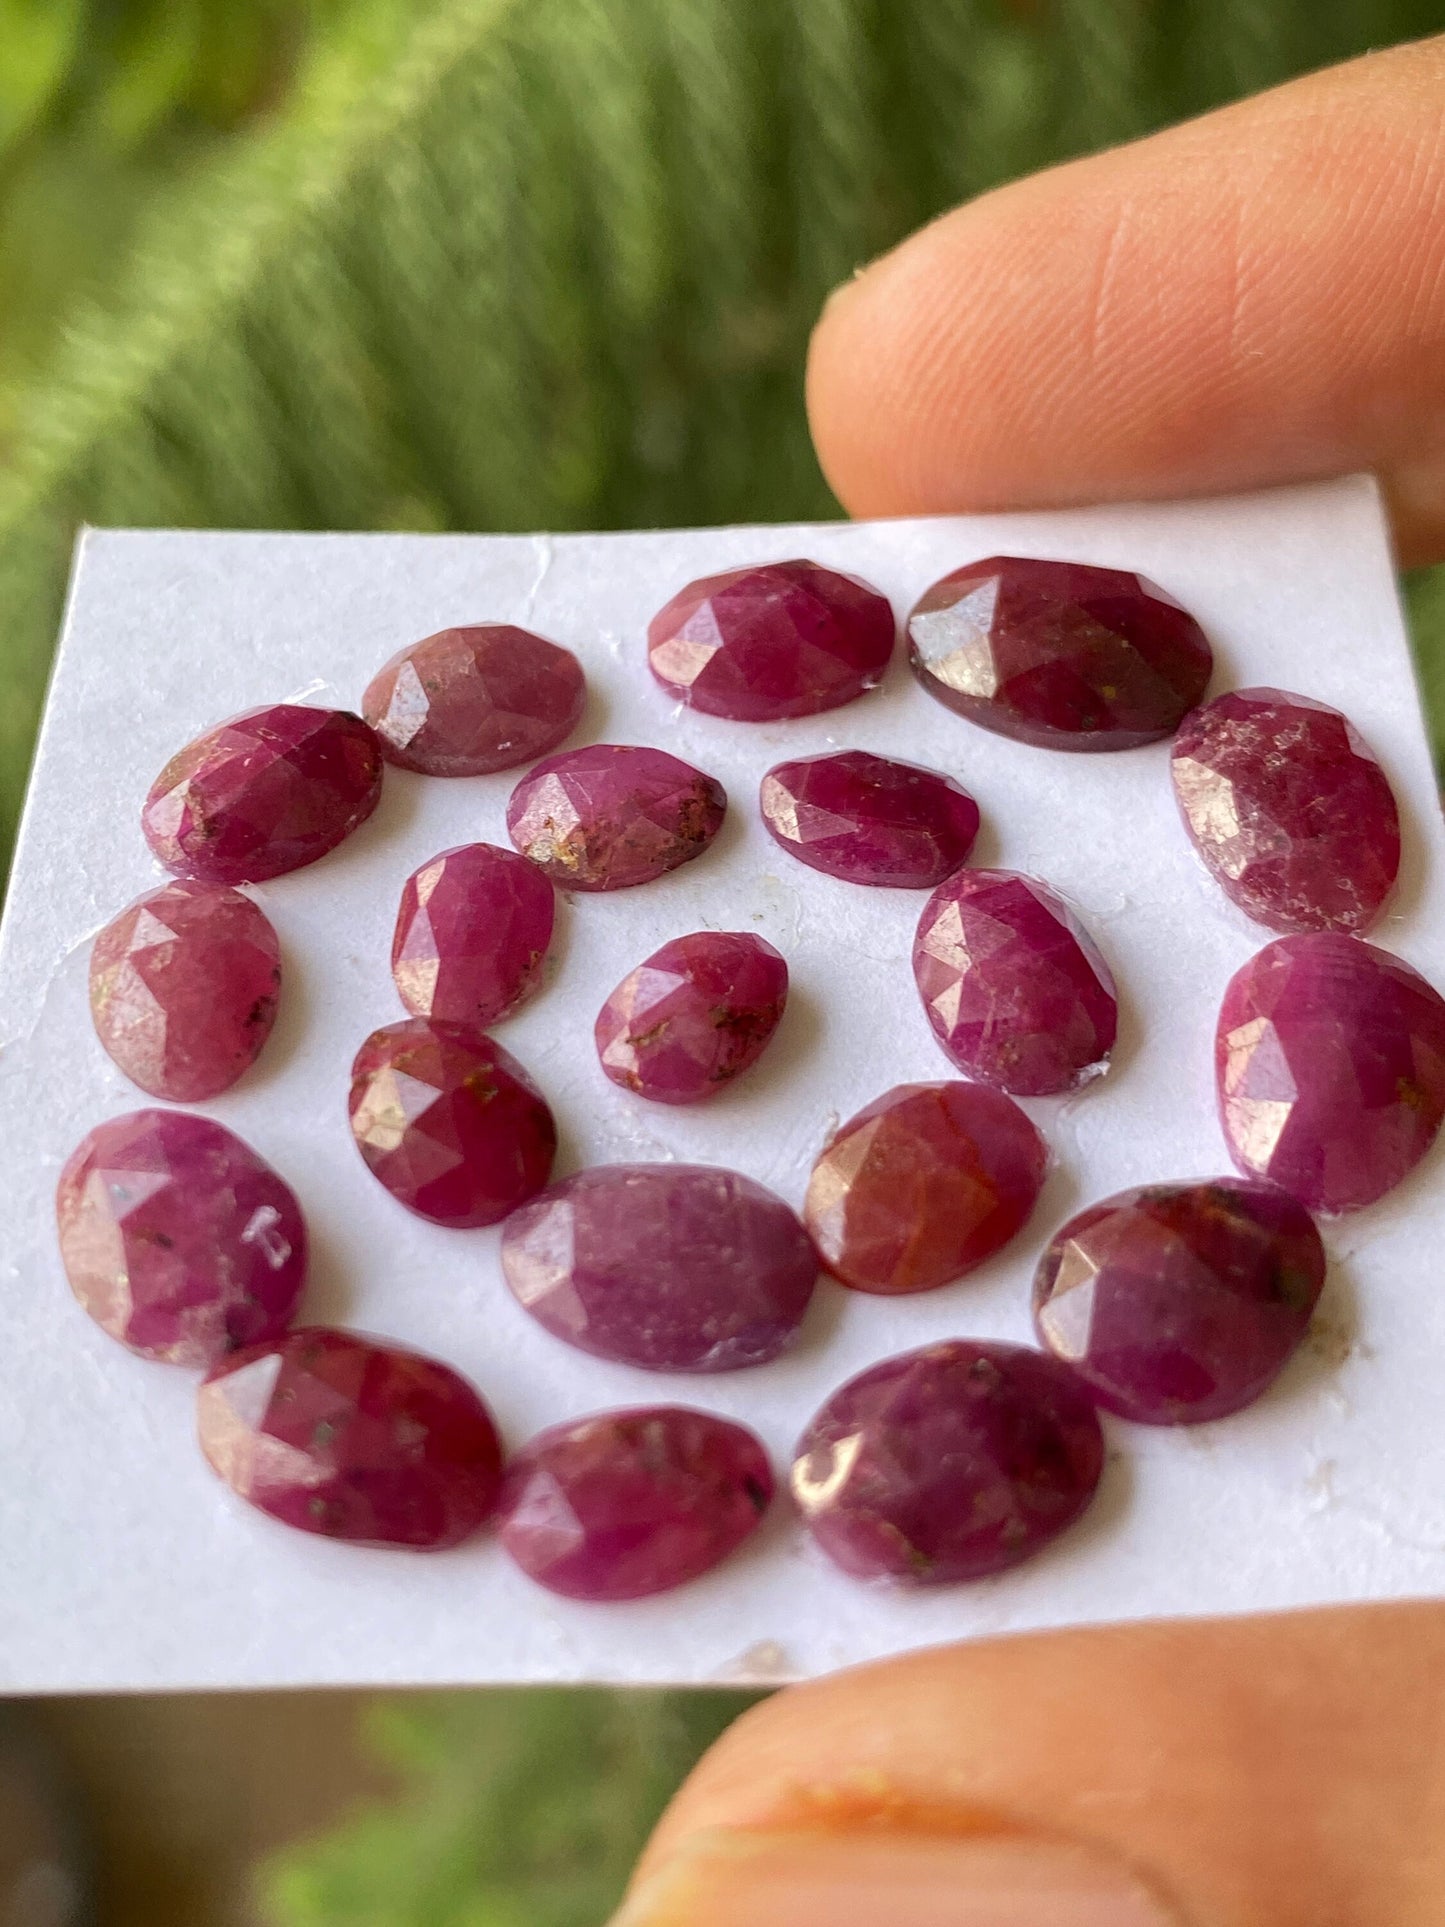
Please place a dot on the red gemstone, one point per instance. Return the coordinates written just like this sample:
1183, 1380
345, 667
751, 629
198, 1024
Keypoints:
626, 1504
1289, 810
449, 1122
1180, 1302
1330, 1060
263, 793
1015, 989
673, 1267
183, 989
1059, 654
759, 645
923, 1185
354, 1439
948, 1463
611, 816
870, 820
177, 1239
695, 1015
468, 701
471, 934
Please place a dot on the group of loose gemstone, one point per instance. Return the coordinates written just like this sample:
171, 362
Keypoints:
1173, 1303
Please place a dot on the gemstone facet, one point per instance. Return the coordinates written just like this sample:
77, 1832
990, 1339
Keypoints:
922, 1186
948, 1463
1059, 654
868, 819
1180, 1302
612, 815
698, 1013
177, 1239
471, 934
468, 701
673, 1267
354, 1439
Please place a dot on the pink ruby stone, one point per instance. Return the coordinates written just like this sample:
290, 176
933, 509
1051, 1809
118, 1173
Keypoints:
1015, 989
1180, 1302
449, 1122
948, 1463
471, 934
263, 793
177, 1238
1059, 654
868, 819
183, 989
671, 1267
762, 644
626, 1504
1330, 1062
612, 816
692, 1017
1289, 809
354, 1439
471, 700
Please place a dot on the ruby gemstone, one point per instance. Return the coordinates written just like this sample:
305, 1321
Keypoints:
468, 701
948, 1463
1330, 1061
354, 1439
626, 1504
1290, 811
471, 934
759, 645
1015, 989
1059, 654
870, 820
695, 1015
1180, 1302
922, 1186
177, 1239
449, 1122
673, 1267
611, 816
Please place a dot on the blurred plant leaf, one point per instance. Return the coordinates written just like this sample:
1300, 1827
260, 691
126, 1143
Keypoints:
39, 40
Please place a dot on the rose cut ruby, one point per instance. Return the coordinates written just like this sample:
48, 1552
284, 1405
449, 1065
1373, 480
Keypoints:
471, 935
472, 700
868, 819
612, 816
695, 1015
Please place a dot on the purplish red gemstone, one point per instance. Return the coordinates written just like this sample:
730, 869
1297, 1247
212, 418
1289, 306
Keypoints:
612, 815
1289, 809
922, 1186
1180, 1302
1015, 989
948, 1463
468, 701
183, 989
1059, 654
177, 1238
784, 639
449, 1122
263, 793
352, 1438
1330, 1060
698, 1013
673, 1267
870, 820
471, 934
626, 1504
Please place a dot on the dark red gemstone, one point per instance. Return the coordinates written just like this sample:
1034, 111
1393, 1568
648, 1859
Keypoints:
870, 820
468, 701
471, 934
611, 816
698, 1013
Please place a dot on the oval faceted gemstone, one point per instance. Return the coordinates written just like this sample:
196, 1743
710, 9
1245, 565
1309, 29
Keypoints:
177, 1239
695, 1015
343, 1435
1059, 654
1015, 989
948, 1463
449, 1122
785, 639
1290, 811
870, 820
625, 1504
183, 989
673, 1267
1180, 1302
610, 816
468, 701
923, 1185
1330, 1060
471, 934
